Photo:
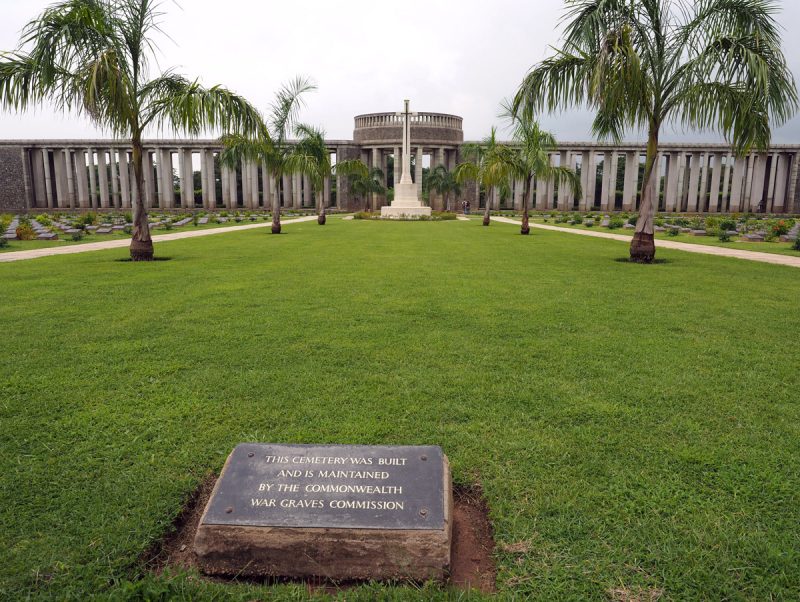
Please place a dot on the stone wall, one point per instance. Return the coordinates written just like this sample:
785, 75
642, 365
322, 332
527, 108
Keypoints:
12, 179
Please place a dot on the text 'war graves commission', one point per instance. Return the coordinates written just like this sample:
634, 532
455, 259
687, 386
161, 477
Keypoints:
330, 486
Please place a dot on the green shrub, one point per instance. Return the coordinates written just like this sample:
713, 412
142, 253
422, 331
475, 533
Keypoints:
3, 243
89, 218
25, 232
167, 225
195, 219
615, 223
443, 215
724, 236
363, 215
128, 217
44, 219
673, 232
128, 230
77, 236
780, 227
223, 214
727, 223
796, 244
633, 219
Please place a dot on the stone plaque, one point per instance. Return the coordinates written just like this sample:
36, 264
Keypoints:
337, 511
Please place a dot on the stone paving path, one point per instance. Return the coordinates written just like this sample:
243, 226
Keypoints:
669, 244
125, 242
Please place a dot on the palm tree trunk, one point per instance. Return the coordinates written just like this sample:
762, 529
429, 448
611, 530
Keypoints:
321, 204
141, 248
526, 228
643, 247
276, 206
488, 208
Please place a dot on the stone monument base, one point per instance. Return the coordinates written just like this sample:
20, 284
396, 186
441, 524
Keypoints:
394, 212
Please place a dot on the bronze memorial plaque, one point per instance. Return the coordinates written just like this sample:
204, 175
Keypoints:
336, 511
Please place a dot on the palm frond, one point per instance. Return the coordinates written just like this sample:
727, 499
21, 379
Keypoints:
185, 106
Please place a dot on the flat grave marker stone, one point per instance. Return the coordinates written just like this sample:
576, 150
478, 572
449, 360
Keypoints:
334, 511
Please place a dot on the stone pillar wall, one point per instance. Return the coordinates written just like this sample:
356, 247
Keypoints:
418, 172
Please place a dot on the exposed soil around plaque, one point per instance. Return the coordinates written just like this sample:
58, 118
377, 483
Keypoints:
472, 561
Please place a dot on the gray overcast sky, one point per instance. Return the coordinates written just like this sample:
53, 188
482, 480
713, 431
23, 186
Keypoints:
459, 56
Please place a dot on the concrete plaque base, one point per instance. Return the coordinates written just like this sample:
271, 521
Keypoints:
339, 512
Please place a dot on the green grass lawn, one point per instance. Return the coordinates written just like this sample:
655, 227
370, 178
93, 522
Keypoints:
633, 427
778, 248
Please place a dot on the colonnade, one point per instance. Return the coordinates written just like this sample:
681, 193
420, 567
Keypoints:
178, 174
102, 177
377, 156
691, 179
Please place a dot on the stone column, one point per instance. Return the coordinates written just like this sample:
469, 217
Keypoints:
39, 193
61, 179
204, 177
748, 183
81, 178
297, 191
631, 181
211, 181
440, 160
726, 182
326, 191
102, 178
254, 186
759, 173
166, 184
564, 194
246, 184
48, 178
149, 179
701, 199
115, 200
694, 182
397, 165
770, 175
187, 178
226, 187
588, 180
233, 182
70, 177
267, 192
671, 184
605, 187
124, 179
781, 173
307, 198
418, 173
93, 173
716, 176
794, 171
287, 190
737, 184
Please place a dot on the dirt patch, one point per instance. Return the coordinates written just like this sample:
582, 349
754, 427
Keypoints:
472, 561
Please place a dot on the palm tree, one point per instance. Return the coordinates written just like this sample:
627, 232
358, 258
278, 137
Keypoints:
708, 64
271, 148
444, 182
363, 180
532, 159
311, 157
488, 163
93, 57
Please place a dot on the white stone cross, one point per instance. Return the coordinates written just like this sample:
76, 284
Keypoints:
406, 115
